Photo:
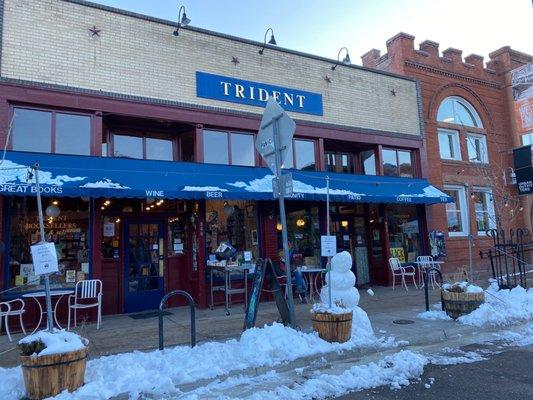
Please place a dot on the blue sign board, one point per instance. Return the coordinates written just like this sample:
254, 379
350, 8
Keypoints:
239, 91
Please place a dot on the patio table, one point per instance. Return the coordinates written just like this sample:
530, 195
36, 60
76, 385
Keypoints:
313, 273
422, 265
41, 295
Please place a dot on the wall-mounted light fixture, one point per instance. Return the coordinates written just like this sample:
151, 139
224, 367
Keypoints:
272, 40
279, 227
182, 20
300, 222
344, 224
345, 60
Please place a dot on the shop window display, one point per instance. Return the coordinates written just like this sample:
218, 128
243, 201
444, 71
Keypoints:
69, 230
303, 230
404, 234
233, 222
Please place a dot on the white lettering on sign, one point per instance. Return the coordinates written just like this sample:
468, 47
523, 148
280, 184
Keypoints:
14, 188
354, 196
155, 193
525, 186
239, 92
404, 199
213, 195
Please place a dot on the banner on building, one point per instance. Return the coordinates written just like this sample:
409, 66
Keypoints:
522, 84
523, 169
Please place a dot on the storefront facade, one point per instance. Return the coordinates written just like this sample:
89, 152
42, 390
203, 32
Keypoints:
146, 149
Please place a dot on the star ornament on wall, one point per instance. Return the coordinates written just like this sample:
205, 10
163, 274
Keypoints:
95, 31
235, 60
327, 79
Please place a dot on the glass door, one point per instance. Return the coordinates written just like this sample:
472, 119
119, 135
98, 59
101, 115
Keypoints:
360, 250
144, 265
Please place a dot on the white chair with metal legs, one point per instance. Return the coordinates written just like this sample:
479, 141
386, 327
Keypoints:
400, 271
85, 291
8, 309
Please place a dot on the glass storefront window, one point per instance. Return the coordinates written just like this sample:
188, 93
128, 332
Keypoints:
177, 235
406, 164
32, 130
159, 149
368, 162
69, 231
233, 222
390, 163
127, 146
73, 134
397, 163
111, 237
339, 162
404, 234
303, 230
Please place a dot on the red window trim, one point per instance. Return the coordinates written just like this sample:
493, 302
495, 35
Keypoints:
53, 124
229, 133
143, 135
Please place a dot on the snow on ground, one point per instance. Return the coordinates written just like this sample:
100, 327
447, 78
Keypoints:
434, 315
502, 308
161, 372
60, 341
520, 337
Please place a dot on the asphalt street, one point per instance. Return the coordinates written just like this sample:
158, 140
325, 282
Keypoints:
507, 375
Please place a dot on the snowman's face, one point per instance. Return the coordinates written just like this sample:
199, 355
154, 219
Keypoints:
341, 261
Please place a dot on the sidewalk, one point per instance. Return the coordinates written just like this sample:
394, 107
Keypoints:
121, 333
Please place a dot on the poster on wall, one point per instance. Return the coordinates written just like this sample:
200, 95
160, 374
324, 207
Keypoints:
522, 84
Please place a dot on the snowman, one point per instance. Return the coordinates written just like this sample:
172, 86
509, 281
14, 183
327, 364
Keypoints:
344, 292
342, 279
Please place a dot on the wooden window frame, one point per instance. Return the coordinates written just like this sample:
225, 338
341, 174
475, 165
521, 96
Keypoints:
397, 150
229, 134
143, 135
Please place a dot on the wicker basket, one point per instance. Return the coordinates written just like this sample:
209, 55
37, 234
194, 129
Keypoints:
47, 376
456, 304
333, 327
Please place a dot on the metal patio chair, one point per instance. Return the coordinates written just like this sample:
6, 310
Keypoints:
85, 291
398, 270
8, 309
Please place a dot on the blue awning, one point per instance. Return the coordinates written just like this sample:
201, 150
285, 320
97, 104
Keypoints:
73, 176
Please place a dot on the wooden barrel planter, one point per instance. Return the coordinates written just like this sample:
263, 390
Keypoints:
333, 327
461, 303
46, 376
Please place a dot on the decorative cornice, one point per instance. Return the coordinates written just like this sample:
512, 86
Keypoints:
453, 75
1, 32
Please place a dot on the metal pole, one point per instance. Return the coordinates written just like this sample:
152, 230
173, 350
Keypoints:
49, 316
327, 233
283, 220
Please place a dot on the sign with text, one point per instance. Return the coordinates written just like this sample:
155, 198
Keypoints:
523, 169
328, 245
285, 188
44, 258
251, 93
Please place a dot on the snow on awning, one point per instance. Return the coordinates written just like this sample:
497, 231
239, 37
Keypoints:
73, 176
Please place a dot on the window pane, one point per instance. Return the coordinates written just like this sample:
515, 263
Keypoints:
463, 116
406, 166
390, 164
404, 236
127, 146
289, 162
453, 212
445, 113
242, 149
159, 149
444, 146
330, 162
346, 162
216, 147
32, 130
73, 134
477, 148
368, 162
305, 155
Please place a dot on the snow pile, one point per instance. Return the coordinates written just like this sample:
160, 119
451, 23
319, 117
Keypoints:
161, 372
462, 287
501, 308
334, 309
60, 341
521, 337
434, 315
394, 370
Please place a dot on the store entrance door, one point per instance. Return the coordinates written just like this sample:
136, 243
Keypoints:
144, 265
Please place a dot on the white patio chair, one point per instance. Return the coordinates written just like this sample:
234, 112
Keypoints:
86, 290
398, 270
425, 263
7, 309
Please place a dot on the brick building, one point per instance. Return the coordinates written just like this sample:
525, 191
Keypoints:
469, 134
145, 141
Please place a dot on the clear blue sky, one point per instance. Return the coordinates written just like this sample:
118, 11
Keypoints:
323, 27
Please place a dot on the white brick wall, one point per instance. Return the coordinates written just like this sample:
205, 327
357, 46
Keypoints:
49, 41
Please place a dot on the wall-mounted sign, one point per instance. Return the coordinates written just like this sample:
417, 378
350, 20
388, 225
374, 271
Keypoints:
523, 169
239, 91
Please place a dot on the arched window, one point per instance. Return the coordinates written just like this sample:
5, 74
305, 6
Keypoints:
455, 110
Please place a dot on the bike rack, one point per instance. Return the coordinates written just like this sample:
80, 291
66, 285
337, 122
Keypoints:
164, 300
426, 289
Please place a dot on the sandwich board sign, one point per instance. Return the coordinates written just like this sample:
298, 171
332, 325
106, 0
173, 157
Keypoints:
44, 258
